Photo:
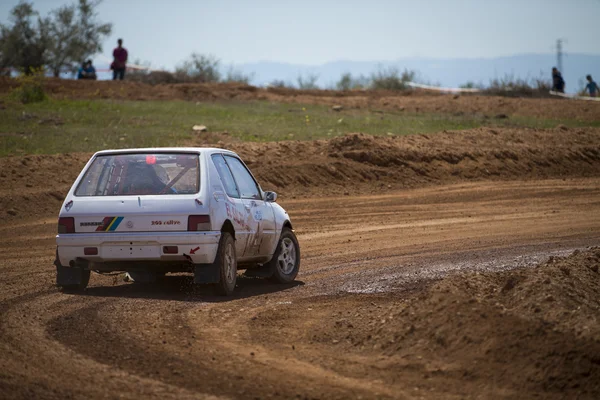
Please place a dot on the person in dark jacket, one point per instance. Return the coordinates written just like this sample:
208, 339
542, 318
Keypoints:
558, 83
119, 61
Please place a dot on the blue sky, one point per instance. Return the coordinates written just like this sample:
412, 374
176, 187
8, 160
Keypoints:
313, 32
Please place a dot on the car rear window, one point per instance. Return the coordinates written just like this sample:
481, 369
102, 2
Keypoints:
141, 174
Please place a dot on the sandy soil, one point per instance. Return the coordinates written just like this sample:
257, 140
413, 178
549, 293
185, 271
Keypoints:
456, 265
410, 101
348, 165
378, 309
362, 321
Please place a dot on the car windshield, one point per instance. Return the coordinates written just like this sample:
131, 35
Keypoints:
141, 174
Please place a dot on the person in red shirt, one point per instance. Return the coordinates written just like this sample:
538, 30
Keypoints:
119, 61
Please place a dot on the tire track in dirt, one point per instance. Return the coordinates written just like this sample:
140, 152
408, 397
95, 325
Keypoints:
160, 341
28, 333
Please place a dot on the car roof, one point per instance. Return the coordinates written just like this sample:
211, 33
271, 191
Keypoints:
197, 150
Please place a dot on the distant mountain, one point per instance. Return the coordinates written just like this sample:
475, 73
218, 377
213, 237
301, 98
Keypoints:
445, 72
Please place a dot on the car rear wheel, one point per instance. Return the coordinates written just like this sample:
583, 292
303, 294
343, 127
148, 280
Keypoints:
227, 262
285, 263
71, 279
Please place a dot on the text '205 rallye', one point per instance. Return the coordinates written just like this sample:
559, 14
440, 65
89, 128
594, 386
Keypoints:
152, 211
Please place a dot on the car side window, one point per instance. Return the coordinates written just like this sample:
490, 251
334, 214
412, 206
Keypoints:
245, 182
226, 176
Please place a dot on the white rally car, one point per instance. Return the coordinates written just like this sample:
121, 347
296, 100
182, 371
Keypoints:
152, 211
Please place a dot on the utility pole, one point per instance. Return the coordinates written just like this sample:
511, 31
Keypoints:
559, 55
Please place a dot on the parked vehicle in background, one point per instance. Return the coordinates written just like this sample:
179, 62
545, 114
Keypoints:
149, 212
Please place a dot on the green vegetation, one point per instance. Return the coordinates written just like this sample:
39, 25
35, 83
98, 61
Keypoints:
62, 40
61, 126
391, 79
30, 88
309, 82
348, 82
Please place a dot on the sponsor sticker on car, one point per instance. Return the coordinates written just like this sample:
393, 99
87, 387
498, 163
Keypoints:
132, 224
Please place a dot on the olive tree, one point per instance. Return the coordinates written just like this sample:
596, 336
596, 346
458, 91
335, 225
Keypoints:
75, 35
63, 39
23, 44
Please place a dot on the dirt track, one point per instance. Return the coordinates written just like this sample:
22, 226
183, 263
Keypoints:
351, 165
364, 259
418, 275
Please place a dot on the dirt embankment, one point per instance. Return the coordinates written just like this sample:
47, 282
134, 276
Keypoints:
353, 164
410, 101
361, 163
512, 334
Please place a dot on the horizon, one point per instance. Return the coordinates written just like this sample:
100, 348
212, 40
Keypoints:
447, 73
318, 35
320, 32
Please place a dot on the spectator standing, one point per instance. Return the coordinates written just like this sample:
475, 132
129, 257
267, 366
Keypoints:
592, 87
558, 83
87, 71
119, 61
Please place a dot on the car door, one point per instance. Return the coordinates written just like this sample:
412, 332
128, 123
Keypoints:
234, 205
261, 215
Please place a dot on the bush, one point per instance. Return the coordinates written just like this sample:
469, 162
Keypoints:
199, 68
511, 86
30, 87
279, 84
309, 82
345, 82
392, 79
237, 76
348, 82
471, 85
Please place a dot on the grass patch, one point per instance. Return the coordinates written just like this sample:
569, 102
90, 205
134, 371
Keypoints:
62, 126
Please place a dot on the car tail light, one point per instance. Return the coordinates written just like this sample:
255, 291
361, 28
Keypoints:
66, 225
170, 249
199, 223
90, 251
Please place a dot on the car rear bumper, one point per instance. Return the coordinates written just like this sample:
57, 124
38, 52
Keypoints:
194, 247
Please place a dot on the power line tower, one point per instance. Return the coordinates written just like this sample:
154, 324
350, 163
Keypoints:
559, 55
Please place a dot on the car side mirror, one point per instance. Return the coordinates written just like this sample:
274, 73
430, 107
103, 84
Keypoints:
271, 197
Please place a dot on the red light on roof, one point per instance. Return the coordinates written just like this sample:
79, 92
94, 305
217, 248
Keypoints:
150, 159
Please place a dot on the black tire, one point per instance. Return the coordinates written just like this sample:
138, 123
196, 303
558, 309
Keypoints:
66, 274
285, 263
71, 288
227, 262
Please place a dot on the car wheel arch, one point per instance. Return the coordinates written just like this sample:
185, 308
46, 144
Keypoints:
287, 224
228, 227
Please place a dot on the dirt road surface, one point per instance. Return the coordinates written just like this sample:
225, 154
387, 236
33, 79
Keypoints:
368, 317
455, 265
